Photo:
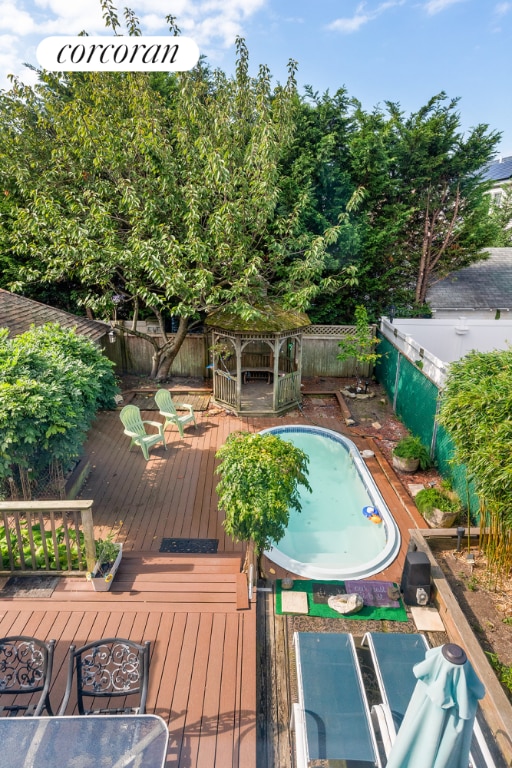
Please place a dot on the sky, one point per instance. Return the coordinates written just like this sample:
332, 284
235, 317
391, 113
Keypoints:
404, 51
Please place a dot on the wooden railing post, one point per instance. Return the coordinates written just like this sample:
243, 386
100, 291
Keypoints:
88, 531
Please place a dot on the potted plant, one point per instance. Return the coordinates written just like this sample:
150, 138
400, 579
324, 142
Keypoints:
409, 454
260, 476
440, 508
109, 554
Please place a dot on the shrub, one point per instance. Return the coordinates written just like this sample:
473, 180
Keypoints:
434, 498
52, 382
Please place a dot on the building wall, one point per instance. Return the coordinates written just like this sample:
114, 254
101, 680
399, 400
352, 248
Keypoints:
441, 341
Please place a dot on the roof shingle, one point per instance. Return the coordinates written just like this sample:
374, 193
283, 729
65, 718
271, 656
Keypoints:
485, 285
17, 313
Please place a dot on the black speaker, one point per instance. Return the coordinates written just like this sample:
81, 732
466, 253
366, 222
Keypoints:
415, 584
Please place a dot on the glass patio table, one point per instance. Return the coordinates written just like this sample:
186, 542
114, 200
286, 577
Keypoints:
87, 741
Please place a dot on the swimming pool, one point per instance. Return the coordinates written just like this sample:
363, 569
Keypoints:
331, 538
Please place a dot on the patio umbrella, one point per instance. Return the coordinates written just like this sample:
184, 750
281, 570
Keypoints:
438, 724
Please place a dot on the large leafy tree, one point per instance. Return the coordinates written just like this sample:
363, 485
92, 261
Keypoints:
159, 196
317, 166
424, 207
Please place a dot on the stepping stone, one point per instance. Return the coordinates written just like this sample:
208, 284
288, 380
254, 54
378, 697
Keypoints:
427, 619
294, 602
415, 488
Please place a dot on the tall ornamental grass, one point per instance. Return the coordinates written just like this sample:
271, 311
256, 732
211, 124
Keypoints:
476, 410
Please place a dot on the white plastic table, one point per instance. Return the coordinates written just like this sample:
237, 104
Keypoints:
87, 741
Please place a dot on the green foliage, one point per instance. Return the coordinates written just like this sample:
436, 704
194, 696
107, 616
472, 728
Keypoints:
164, 194
475, 410
424, 212
361, 345
435, 498
411, 447
503, 672
260, 475
501, 215
107, 550
39, 548
52, 382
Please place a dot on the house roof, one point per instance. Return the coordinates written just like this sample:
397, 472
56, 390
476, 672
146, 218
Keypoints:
17, 313
499, 170
485, 285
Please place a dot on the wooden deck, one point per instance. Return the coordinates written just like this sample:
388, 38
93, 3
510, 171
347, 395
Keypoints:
203, 677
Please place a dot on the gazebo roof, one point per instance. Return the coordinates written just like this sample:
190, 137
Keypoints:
270, 318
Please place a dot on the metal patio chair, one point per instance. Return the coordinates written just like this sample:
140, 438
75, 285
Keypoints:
25, 675
108, 669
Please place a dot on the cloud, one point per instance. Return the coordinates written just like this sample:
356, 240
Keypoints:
362, 16
502, 9
16, 21
213, 24
436, 6
12, 63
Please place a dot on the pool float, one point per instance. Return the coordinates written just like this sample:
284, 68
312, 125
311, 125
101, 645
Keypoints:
373, 514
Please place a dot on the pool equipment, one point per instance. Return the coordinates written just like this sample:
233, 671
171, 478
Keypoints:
415, 583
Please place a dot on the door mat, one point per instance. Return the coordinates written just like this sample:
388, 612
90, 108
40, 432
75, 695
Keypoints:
30, 586
374, 593
190, 546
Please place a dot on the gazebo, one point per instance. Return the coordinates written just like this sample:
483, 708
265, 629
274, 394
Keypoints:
257, 362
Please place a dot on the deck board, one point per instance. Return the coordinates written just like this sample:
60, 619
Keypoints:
203, 679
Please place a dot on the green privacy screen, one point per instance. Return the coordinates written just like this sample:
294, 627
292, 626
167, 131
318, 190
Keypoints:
415, 400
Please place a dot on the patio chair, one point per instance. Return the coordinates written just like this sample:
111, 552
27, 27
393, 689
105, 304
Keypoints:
394, 654
108, 669
135, 429
168, 409
332, 718
25, 671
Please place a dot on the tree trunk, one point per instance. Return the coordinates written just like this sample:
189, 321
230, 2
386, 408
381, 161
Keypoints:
170, 350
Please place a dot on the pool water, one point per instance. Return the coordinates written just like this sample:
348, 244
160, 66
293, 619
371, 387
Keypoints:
331, 538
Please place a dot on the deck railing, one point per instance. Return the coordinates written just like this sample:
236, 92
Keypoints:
46, 536
288, 388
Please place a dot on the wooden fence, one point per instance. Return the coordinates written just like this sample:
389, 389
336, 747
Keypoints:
46, 536
319, 354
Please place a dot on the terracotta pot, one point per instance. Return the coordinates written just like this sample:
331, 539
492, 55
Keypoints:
405, 465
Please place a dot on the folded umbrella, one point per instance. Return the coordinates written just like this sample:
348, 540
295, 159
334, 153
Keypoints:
438, 724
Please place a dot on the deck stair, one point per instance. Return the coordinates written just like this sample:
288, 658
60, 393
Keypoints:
199, 583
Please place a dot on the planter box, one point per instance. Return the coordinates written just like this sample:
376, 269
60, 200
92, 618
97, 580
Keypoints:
103, 583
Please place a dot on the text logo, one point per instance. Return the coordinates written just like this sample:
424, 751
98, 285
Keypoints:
117, 54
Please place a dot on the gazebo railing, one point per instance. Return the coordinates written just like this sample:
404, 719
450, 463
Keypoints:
288, 389
225, 388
